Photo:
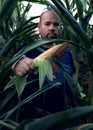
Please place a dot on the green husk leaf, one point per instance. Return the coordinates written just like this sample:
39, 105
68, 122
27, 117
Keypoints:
44, 69
19, 82
10, 83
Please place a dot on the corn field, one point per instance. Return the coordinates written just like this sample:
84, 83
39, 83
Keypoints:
17, 29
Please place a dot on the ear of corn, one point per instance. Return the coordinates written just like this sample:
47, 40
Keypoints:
43, 65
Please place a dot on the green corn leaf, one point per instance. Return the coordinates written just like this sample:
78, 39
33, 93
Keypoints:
7, 8
60, 120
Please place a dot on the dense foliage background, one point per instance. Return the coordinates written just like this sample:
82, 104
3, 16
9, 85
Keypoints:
15, 30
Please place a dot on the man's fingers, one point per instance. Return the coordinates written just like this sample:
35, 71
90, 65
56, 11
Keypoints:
29, 62
23, 66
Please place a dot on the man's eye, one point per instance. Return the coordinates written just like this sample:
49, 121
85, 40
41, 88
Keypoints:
47, 24
56, 24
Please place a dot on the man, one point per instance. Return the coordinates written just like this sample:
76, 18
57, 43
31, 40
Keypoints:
55, 99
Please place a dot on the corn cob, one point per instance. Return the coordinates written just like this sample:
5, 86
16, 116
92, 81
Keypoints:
44, 66
53, 51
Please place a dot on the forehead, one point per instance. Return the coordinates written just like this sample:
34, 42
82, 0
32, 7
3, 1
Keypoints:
50, 16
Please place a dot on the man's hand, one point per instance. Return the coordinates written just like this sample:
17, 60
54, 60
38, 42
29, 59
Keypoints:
23, 66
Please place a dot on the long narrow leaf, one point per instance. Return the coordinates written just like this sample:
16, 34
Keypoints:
45, 88
58, 120
6, 8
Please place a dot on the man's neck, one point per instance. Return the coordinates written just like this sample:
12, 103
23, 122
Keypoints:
49, 45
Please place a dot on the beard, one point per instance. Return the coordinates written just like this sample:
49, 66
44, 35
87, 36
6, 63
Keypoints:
51, 36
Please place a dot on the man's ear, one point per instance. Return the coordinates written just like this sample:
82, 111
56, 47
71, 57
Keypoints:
39, 27
38, 24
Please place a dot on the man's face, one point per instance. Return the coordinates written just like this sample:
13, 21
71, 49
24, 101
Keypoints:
49, 26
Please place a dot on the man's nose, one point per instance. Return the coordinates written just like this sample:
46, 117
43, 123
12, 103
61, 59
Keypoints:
52, 27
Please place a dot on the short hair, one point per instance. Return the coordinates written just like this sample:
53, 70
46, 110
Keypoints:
46, 9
